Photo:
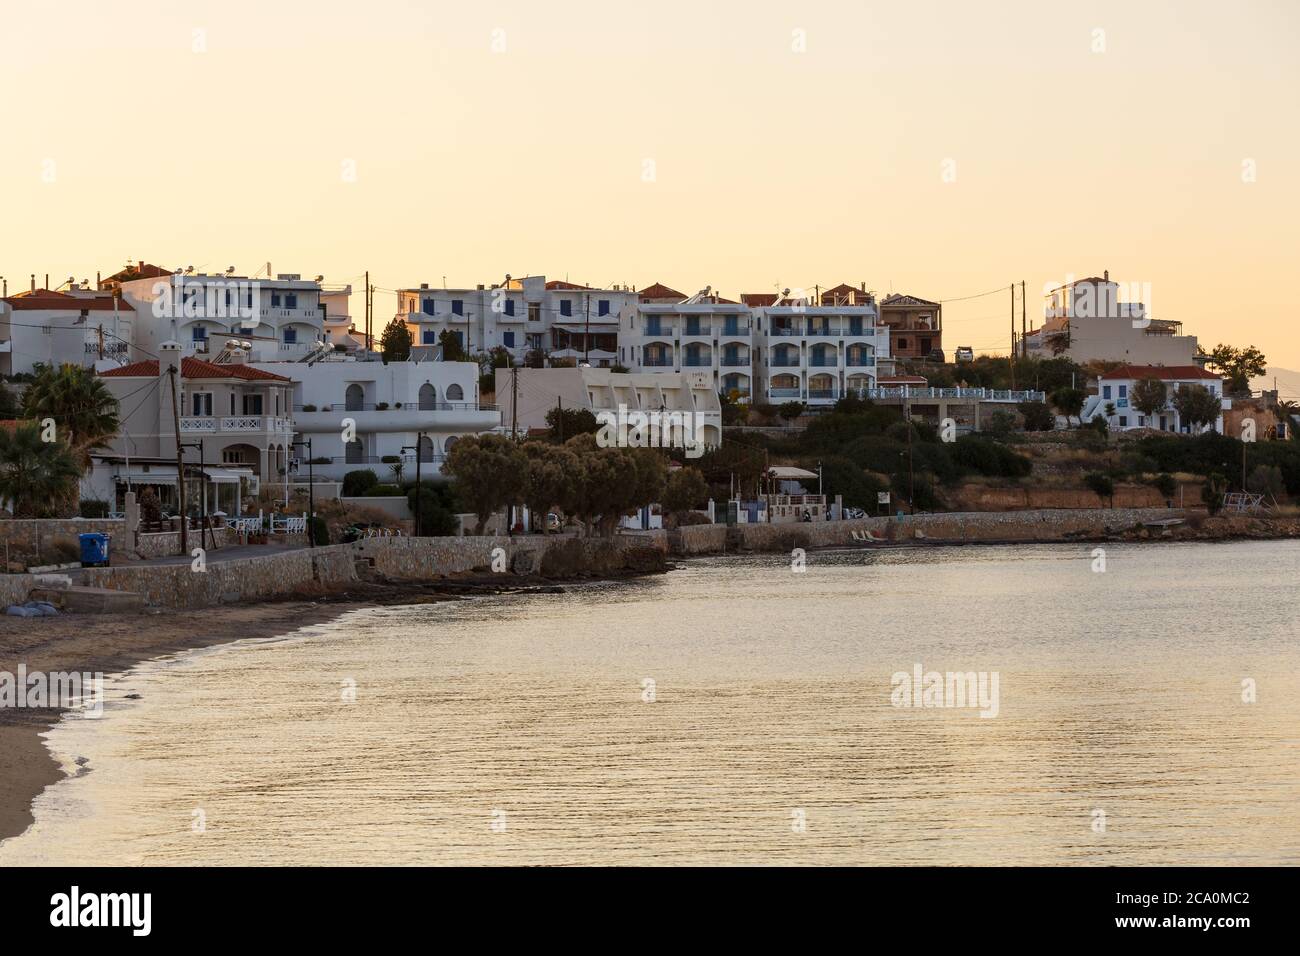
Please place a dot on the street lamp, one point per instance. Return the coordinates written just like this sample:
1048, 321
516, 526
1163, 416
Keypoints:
311, 493
419, 437
203, 492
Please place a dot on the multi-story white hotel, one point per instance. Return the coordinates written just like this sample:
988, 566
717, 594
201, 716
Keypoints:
561, 320
282, 318
77, 326
670, 332
767, 347
368, 414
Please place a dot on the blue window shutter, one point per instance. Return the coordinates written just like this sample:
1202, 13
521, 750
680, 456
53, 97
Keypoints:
566, 307
427, 307
457, 307
603, 308
509, 339
510, 306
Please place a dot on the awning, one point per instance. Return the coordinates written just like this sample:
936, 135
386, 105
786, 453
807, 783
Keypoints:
226, 474
147, 478
784, 473
603, 328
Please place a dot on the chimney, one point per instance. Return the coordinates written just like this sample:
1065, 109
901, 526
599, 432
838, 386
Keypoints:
169, 357
1106, 275
140, 267
33, 281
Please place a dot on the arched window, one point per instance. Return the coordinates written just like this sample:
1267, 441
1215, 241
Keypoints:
455, 393
354, 452
426, 449
428, 397
354, 398
446, 446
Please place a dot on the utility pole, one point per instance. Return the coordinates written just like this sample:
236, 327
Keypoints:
1024, 345
367, 310
180, 463
559, 416
586, 333
514, 402
1011, 359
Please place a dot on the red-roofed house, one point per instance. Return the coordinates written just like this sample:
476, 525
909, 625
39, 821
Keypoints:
241, 417
78, 327
1115, 388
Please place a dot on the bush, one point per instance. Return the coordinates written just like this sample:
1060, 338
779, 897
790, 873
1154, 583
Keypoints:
987, 457
1212, 493
1265, 480
309, 408
93, 508
1000, 425
765, 412
840, 476
1038, 417
320, 531
1100, 485
791, 410
435, 519
391, 459
924, 495
357, 484
1166, 485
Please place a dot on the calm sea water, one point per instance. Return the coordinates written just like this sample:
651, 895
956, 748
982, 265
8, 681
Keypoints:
516, 730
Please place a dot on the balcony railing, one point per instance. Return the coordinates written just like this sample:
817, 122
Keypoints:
784, 393
212, 424
982, 394
735, 361
406, 407
785, 362
822, 362
698, 361
821, 393
658, 363
860, 361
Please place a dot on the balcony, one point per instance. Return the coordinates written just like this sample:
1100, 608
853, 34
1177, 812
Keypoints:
821, 393
821, 361
657, 363
860, 361
735, 328
237, 424
785, 361
735, 361
698, 361
784, 393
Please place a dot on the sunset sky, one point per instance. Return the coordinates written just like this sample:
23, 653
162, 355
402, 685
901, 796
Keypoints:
520, 137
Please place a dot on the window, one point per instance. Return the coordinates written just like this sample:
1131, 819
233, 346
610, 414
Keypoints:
290, 336
602, 308
508, 338
455, 393
275, 300
428, 336
902, 343
1105, 391
534, 312
428, 397
199, 334
202, 403
457, 306
510, 306
425, 445
354, 452
291, 300
1123, 421
1123, 391
427, 307
566, 307
252, 404
353, 398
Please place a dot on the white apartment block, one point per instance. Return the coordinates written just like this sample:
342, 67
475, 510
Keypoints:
704, 333
1085, 320
367, 414
78, 327
559, 319
767, 347
1115, 390
282, 318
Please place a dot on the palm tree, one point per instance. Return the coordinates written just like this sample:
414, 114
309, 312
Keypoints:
35, 475
85, 412
1288, 412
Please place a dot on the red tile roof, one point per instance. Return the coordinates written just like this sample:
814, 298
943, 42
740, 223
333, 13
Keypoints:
46, 300
1165, 373
659, 291
145, 270
195, 368
900, 298
758, 299
561, 284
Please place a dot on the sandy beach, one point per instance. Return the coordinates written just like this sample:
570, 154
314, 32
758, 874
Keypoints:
109, 644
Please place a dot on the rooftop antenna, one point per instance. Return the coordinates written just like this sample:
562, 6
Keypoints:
230, 270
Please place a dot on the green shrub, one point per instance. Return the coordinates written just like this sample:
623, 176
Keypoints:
93, 508
1166, 485
841, 476
320, 531
357, 484
1038, 416
988, 457
1100, 485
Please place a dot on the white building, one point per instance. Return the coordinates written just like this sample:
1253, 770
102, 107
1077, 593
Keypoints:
77, 327
818, 353
1115, 388
703, 333
527, 394
1085, 320
561, 320
365, 414
282, 318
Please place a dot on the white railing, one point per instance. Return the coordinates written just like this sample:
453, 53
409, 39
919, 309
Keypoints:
984, 394
199, 424
236, 423
248, 525
288, 524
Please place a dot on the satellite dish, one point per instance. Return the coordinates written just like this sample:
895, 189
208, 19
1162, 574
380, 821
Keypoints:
320, 278
246, 345
230, 270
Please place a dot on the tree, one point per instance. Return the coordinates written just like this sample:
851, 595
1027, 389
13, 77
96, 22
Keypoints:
790, 410
1197, 406
452, 350
1038, 417
686, 490
1149, 396
436, 519
1212, 493
1289, 413
1166, 485
551, 475
733, 413
1265, 480
359, 482
1069, 402
1100, 485
489, 472
1238, 366
840, 476
85, 412
565, 423
38, 477
395, 342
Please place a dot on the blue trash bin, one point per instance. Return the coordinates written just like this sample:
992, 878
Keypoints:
94, 549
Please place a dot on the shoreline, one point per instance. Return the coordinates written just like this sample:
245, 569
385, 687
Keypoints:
116, 643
